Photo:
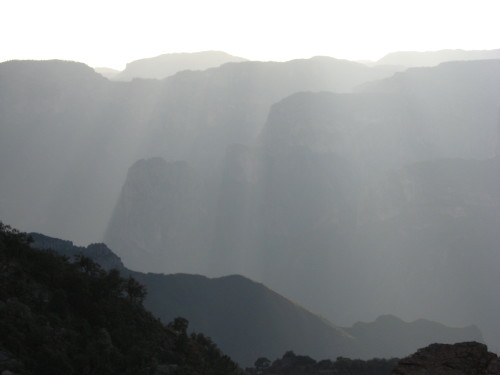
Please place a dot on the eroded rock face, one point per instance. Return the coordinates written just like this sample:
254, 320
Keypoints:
469, 358
156, 223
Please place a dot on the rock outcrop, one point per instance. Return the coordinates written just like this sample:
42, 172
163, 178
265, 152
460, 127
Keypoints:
469, 358
389, 336
100, 127
159, 217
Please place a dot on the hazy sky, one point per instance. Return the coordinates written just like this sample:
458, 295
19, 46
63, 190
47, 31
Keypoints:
114, 32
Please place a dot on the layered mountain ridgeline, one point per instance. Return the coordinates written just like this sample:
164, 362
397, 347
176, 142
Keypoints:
454, 105
448, 111
108, 73
433, 226
58, 317
342, 139
418, 241
164, 210
431, 58
386, 200
328, 201
84, 131
63, 134
166, 65
328, 162
248, 320
389, 336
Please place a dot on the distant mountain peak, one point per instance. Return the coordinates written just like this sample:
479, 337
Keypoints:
389, 335
166, 65
432, 58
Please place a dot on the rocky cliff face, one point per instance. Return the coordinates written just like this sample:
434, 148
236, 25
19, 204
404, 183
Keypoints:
100, 128
160, 218
468, 358
386, 200
435, 228
444, 121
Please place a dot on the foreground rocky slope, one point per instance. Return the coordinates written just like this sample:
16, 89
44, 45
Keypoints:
248, 320
389, 336
291, 363
467, 358
61, 317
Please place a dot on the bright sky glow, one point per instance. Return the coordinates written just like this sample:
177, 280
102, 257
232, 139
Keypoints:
113, 32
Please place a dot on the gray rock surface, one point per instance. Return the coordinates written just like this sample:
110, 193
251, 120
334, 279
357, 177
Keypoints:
469, 358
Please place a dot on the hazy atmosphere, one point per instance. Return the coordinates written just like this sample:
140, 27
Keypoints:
112, 33
235, 187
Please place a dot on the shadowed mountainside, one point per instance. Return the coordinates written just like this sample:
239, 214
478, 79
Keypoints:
248, 320
83, 131
60, 317
384, 200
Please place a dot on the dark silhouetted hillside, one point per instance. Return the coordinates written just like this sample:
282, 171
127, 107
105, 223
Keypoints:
291, 363
245, 318
248, 320
60, 317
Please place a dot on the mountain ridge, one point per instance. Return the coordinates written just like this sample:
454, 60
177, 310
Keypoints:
248, 320
166, 65
101, 127
432, 58
61, 317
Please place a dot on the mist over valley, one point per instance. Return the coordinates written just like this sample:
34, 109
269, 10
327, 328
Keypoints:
323, 206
